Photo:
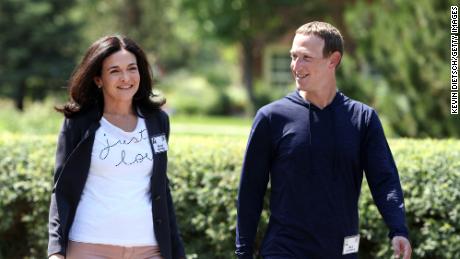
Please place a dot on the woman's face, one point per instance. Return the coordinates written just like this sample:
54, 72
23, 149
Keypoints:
119, 78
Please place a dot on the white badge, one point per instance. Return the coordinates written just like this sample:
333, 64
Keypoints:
160, 144
350, 245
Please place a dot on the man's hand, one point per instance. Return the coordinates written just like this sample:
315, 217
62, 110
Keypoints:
401, 246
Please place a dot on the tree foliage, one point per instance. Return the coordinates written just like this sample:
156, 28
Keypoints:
163, 32
400, 64
396, 59
38, 43
251, 24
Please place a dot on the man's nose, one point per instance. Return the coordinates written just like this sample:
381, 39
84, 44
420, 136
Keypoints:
295, 63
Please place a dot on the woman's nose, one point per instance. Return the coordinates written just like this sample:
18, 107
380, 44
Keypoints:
124, 76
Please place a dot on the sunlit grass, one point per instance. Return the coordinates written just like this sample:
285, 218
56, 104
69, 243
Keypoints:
201, 125
40, 118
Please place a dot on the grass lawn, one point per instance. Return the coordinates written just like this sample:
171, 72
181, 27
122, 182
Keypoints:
41, 119
210, 126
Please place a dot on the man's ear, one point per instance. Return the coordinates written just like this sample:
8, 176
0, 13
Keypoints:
334, 59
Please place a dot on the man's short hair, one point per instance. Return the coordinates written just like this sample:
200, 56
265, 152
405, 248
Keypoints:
333, 40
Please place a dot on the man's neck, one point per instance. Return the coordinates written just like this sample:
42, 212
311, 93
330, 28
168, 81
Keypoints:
320, 99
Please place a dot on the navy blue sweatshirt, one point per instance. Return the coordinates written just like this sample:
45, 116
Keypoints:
314, 159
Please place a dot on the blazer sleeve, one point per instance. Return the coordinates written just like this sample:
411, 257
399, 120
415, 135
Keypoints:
176, 241
253, 185
177, 245
55, 232
383, 179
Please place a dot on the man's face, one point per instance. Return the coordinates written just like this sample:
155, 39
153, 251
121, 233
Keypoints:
310, 69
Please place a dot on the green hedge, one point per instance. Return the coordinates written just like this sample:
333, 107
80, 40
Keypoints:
204, 173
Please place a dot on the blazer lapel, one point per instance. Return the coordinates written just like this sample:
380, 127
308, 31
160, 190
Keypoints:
156, 130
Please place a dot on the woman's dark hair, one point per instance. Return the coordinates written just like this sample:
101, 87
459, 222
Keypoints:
83, 91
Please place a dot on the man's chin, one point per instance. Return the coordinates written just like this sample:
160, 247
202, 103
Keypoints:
301, 87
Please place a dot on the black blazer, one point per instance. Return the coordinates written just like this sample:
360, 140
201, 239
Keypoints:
73, 157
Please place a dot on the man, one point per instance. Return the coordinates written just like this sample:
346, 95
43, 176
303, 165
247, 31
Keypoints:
314, 145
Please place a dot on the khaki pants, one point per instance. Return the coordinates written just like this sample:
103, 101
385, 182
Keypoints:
78, 250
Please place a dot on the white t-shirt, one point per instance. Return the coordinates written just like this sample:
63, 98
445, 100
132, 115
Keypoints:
115, 207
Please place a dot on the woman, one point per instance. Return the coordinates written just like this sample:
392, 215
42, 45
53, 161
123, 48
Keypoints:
111, 197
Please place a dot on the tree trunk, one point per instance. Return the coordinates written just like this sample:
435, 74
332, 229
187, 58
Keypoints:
20, 94
133, 15
248, 56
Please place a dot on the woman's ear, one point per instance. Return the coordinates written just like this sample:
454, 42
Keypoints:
98, 81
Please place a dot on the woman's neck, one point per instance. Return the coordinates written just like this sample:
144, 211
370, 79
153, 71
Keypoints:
119, 110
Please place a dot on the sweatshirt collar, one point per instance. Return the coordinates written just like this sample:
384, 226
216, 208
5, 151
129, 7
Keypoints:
296, 98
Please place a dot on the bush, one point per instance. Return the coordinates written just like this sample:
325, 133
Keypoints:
204, 173
430, 174
197, 94
37, 118
25, 186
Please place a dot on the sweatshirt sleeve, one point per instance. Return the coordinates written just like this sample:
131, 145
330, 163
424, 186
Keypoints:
253, 184
383, 179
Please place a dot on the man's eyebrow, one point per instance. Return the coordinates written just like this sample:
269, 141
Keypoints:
300, 52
